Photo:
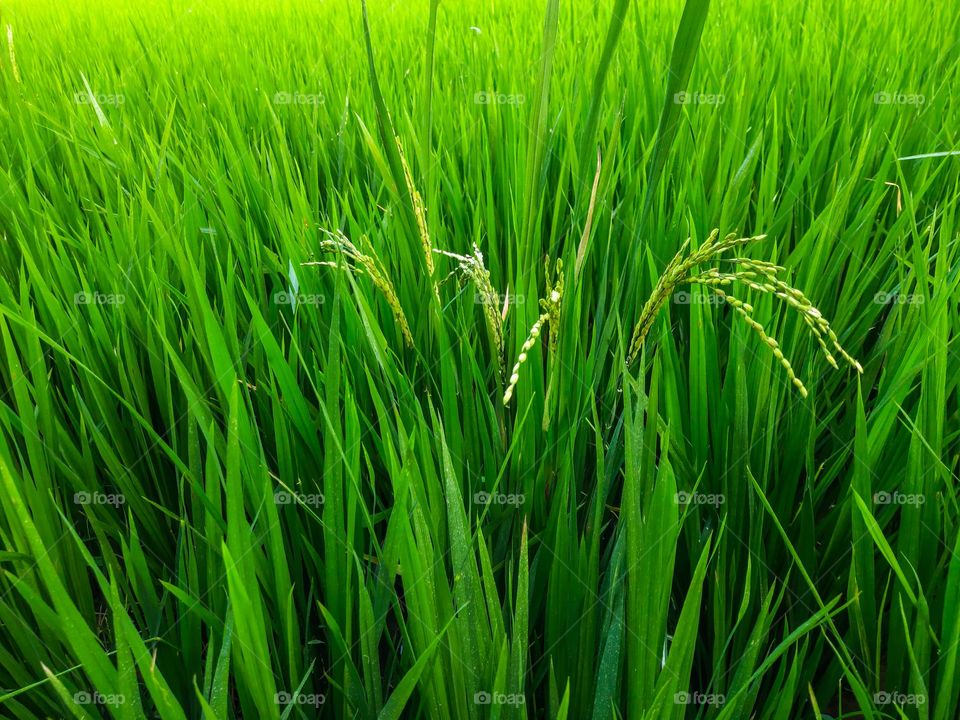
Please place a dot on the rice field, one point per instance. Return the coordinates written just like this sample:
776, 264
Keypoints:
479, 360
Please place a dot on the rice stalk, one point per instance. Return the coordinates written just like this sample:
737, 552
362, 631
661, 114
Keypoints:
419, 212
522, 357
373, 268
551, 305
473, 268
588, 227
13, 55
745, 311
755, 274
550, 316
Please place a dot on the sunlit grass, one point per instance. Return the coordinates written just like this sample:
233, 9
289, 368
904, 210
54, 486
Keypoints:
345, 371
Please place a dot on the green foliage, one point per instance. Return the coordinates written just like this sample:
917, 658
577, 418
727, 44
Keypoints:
266, 267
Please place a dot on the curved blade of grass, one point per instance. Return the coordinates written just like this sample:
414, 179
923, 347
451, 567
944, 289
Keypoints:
538, 128
427, 119
685, 46
609, 46
393, 709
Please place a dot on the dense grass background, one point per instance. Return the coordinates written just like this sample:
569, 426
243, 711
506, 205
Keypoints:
218, 504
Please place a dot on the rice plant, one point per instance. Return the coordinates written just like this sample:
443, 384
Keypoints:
757, 275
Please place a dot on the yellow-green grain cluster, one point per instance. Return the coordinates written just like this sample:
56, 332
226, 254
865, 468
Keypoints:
370, 265
13, 55
473, 269
419, 211
754, 274
551, 316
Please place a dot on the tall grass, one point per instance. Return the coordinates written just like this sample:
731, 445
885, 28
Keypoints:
266, 270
